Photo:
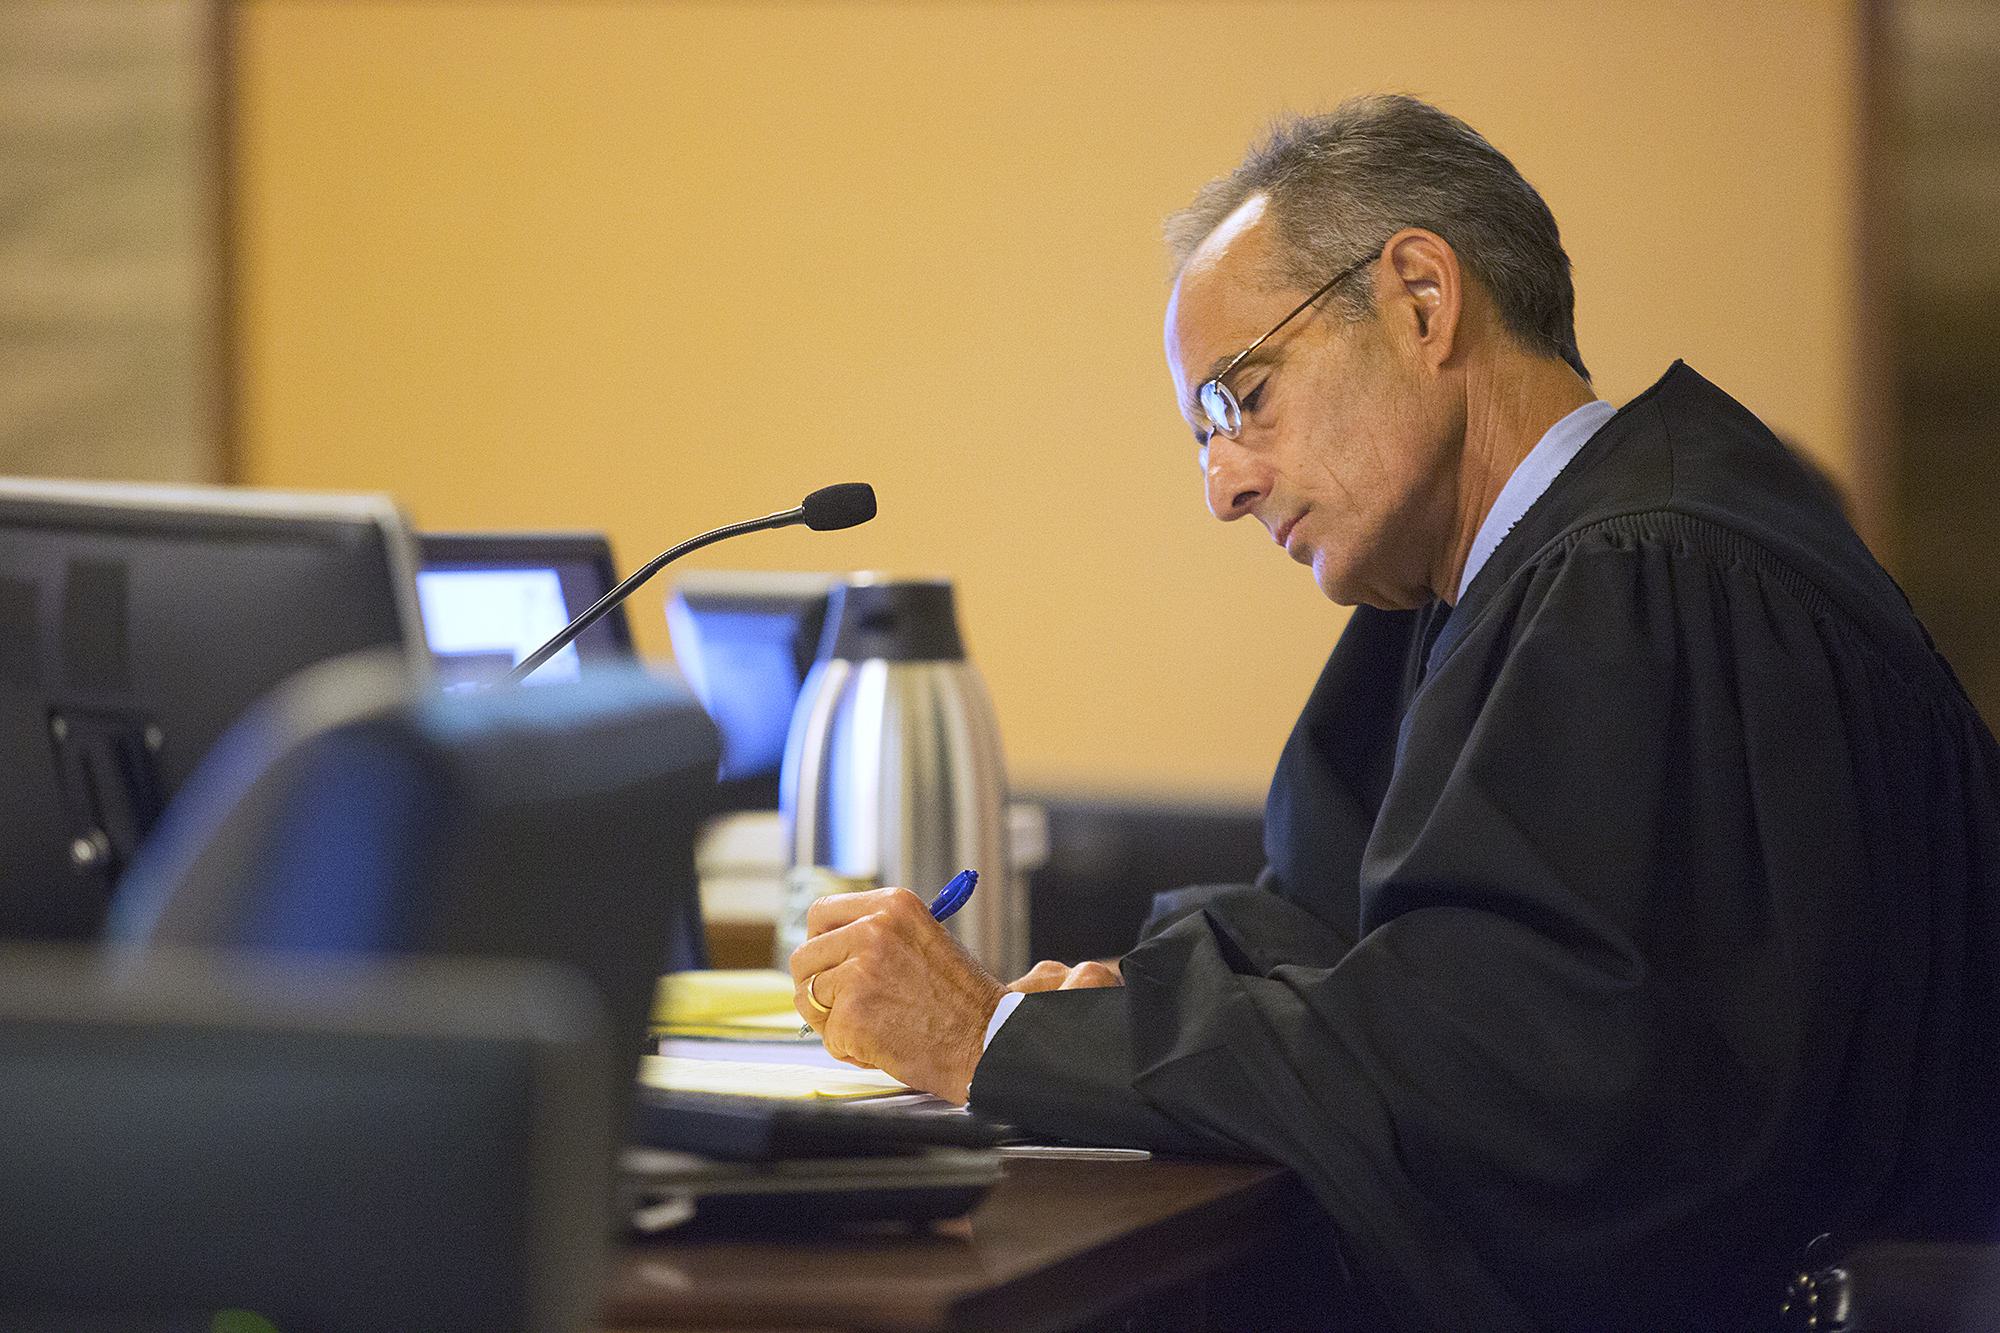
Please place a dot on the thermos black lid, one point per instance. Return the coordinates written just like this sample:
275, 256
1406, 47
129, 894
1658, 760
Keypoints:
899, 620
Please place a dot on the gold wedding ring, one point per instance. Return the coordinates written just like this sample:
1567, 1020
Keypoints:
814, 999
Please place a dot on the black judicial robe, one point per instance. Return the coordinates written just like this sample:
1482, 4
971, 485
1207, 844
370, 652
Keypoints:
1624, 927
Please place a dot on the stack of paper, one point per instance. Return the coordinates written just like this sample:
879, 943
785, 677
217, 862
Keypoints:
744, 1078
748, 1004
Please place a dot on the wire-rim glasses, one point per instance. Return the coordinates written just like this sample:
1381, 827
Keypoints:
1218, 404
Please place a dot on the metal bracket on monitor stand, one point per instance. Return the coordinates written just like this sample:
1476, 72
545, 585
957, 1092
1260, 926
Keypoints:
109, 765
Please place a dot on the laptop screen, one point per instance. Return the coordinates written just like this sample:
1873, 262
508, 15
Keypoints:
491, 598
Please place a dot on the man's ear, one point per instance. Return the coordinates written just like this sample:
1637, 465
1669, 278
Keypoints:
1432, 290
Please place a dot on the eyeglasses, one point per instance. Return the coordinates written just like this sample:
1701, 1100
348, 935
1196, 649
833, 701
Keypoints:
1218, 404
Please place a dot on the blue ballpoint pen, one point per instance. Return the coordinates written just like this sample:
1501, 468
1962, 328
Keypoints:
953, 895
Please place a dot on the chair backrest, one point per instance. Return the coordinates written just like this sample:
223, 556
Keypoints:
360, 808
1899, 1286
332, 1145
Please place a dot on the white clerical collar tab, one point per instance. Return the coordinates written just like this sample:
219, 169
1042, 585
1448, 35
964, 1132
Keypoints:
1534, 475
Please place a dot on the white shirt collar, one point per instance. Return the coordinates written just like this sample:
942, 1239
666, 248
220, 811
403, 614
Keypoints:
1531, 477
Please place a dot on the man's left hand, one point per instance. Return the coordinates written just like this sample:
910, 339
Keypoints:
1051, 975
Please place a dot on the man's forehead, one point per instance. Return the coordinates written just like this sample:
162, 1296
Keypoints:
1223, 285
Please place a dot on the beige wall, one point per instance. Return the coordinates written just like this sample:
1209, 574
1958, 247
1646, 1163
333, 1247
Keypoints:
657, 267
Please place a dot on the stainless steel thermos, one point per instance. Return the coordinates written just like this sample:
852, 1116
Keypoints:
893, 773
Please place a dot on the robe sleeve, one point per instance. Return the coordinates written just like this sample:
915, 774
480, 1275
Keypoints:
1639, 976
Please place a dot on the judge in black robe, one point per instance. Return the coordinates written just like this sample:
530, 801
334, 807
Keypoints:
1630, 912
1626, 925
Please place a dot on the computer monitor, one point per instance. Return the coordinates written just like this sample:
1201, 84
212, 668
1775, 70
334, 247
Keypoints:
136, 623
745, 640
490, 599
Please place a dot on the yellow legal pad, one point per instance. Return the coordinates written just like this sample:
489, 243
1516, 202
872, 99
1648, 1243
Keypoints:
757, 1078
748, 1004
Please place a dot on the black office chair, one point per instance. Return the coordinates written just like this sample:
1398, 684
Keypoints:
1899, 1286
419, 1144
361, 809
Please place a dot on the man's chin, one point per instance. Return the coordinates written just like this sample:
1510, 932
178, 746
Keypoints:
1344, 588
1334, 583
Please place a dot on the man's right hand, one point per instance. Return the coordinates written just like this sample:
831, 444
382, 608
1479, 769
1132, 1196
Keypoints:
889, 988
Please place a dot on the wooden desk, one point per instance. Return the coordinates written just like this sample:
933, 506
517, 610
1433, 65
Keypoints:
1057, 1245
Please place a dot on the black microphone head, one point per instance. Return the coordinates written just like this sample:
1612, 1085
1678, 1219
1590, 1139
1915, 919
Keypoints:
833, 507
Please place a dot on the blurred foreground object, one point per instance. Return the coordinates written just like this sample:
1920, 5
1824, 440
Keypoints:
361, 809
335, 1145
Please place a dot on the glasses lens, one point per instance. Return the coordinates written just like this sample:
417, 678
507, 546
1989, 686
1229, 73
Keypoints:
1220, 406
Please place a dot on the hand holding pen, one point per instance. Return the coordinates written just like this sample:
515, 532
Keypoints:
889, 988
950, 898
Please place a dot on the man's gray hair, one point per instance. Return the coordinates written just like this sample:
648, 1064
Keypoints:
1359, 174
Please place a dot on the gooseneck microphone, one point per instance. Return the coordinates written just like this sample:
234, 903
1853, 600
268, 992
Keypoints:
826, 510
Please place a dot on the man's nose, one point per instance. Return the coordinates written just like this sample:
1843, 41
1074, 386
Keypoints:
1234, 478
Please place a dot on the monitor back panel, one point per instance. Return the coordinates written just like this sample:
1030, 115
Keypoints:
136, 623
